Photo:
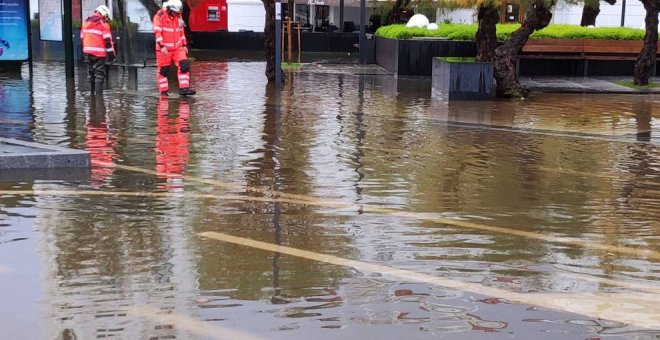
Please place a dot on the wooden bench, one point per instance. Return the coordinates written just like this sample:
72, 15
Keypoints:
581, 49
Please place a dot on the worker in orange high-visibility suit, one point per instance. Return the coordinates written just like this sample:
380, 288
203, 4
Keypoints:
171, 46
97, 46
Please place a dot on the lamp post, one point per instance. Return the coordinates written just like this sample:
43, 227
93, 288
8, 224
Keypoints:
341, 15
278, 44
68, 38
363, 38
623, 13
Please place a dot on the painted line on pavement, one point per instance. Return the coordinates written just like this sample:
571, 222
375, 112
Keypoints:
189, 324
637, 309
640, 252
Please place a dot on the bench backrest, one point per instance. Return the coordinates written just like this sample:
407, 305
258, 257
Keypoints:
583, 46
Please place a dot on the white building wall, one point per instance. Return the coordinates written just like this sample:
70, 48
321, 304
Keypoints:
350, 14
459, 16
563, 13
245, 15
609, 16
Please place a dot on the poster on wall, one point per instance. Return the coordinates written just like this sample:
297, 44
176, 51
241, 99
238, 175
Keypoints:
50, 20
13, 30
88, 7
138, 14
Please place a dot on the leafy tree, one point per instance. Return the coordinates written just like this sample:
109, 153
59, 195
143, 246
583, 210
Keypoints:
427, 7
397, 14
538, 16
647, 56
487, 18
486, 37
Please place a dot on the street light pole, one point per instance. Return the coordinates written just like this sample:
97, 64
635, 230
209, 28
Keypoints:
68, 38
341, 15
363, 37
623, 13
278, 44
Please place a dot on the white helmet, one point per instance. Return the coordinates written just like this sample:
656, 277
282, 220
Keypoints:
164, 5
104, 11
174, 5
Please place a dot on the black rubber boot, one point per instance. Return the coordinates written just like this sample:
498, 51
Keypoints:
99, 87
91, 87
187, 92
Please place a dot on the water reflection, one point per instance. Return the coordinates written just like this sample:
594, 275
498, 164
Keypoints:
16, 120
100, 143
563, 165
172, 143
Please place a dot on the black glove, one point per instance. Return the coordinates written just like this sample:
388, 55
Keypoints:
110, 58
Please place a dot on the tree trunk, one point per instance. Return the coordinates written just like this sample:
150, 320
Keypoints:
269, 38
590, 11
151, 6
647, 56
486, 36
506, 55
291, 12
394, 17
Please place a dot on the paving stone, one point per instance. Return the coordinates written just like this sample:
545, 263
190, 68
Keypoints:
15, 154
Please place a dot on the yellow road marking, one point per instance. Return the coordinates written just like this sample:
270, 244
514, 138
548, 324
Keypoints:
643, 253
189, 324
601, 280
634, 308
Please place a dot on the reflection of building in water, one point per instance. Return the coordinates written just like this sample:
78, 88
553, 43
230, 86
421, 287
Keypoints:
15, 112
98, 264
172, 143
100, 144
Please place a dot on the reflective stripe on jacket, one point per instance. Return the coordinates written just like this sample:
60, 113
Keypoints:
169, 31
96, 37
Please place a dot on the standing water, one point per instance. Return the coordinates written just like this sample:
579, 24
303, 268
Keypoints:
535, 219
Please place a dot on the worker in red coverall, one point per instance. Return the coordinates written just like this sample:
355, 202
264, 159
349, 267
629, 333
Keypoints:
171, 46
97, 47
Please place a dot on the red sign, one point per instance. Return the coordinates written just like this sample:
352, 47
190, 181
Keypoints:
208, 16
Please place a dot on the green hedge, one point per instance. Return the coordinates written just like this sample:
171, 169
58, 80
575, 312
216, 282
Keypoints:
467, 32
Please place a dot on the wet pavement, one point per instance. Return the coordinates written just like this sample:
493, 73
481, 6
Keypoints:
352, 205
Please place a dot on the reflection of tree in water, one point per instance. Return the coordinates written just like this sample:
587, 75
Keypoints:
634, 197
281, 164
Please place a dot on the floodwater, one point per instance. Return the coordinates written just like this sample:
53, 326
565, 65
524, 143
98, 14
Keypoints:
535, 219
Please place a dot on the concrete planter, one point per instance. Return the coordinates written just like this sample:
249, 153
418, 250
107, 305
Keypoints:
462, 78
414, 57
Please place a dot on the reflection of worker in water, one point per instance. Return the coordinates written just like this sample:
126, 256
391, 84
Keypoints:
100, 143
172, 142
3, 44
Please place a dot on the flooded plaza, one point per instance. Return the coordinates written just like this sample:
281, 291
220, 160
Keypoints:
350, 206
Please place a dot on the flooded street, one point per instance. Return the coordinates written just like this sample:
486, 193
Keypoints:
403, 217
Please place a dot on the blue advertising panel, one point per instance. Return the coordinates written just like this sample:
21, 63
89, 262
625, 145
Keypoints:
13, 30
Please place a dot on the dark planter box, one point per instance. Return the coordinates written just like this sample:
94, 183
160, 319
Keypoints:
414, 57
462, 78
